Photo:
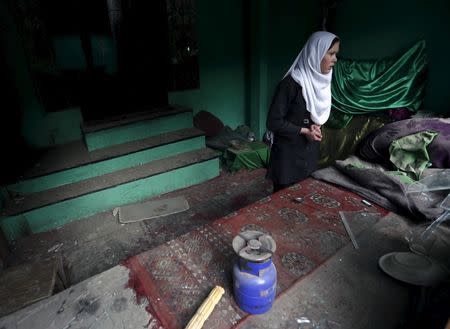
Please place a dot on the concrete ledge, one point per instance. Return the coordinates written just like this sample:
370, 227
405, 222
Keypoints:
45, 210
127, 130
61, 171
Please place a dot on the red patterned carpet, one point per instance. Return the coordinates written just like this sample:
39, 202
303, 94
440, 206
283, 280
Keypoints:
177, 276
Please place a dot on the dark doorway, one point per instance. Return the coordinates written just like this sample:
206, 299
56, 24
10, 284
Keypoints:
71, 69
141, 35
139, 31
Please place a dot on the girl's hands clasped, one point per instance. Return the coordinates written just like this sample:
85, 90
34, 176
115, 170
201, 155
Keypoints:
313, 133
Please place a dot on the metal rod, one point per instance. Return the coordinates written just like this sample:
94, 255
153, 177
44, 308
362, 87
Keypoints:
349, 231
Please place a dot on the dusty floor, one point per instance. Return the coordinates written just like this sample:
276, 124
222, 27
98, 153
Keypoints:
97, 243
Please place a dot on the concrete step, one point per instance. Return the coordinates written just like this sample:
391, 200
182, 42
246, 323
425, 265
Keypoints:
42, 211
73, 162
101, 134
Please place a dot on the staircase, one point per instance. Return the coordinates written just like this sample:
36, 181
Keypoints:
121, 161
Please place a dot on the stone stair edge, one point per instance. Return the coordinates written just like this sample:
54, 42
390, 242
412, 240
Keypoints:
114, 151
98, 183
98, 125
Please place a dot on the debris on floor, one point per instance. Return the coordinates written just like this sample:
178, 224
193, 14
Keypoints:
150, 209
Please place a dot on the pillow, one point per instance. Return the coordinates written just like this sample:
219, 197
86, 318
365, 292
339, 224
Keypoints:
209, 123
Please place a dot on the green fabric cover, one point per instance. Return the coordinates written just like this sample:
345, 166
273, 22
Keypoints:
366, 87
251, 156
409, 153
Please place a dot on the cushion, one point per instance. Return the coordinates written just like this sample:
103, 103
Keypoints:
207, 122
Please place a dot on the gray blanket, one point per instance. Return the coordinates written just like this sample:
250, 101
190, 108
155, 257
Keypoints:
375, 183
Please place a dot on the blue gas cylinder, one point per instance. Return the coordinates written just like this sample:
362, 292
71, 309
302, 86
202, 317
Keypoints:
254, 274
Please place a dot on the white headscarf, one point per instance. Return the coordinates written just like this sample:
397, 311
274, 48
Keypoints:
316, 87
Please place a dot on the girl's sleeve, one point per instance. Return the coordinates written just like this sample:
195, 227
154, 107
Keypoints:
276, 120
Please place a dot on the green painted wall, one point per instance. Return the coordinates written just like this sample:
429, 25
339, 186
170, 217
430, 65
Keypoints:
257, 52
291, 22
384, 28
278, 30
244, 52
221, 56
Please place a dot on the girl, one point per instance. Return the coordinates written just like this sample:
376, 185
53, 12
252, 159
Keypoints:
300, 106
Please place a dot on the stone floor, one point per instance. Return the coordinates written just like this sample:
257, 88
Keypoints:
348, 291
97, 243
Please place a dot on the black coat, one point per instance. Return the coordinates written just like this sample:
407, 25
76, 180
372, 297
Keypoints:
293, 157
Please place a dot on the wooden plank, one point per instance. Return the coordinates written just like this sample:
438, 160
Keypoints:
27, 283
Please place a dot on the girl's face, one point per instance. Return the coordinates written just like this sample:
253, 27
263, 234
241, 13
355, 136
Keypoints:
329, 59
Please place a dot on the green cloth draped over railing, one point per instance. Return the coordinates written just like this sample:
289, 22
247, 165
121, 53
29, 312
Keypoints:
365, 87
